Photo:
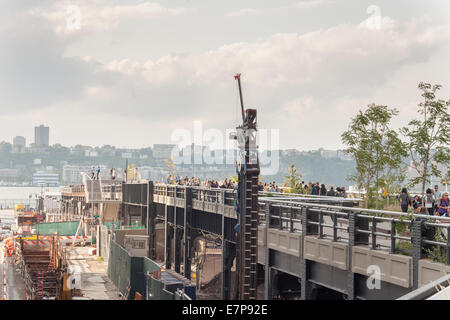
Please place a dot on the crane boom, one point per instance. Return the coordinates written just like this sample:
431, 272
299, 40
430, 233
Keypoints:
238, 78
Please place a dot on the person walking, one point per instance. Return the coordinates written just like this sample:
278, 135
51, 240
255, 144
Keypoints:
405, 200
437, 196
98, 173
315, 189
429, 201
323, 190
331, 192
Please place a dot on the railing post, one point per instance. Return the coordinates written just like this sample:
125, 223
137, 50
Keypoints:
280, 217
291, 214
417, 249
374, 236
393, 233
320, 235
351, 243
334, 227
363, 224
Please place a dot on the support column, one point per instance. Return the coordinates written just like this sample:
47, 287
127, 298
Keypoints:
151, 221
228, 253
167, 236
177, 250
268, 277
351, 243
305, 285
187, 232
176, 235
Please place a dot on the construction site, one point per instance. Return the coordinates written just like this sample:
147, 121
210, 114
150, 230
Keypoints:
146, 240
43, 267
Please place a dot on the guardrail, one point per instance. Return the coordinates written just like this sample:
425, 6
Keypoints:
427, 290
102, 190
214, 195
390, 231
395, 232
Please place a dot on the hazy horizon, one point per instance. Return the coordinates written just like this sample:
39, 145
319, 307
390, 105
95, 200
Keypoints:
129, 72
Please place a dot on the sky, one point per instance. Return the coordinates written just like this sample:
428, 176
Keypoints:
133, 73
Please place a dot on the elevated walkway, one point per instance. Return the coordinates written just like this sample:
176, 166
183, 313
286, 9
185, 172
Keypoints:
324, 242
102, 191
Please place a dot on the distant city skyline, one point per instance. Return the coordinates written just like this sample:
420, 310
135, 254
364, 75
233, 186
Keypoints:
307, 66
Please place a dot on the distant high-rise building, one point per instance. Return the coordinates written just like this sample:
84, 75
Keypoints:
19, 141
41, 135
19, 144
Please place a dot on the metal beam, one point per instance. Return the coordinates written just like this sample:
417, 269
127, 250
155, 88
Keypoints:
187, 232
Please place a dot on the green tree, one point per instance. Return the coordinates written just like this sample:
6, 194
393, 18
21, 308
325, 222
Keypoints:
392, 180
294, 180
5, 147
374, 146
428, 137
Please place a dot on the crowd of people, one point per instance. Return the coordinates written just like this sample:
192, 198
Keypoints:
196, 182
310, 188
304, 188
434, 202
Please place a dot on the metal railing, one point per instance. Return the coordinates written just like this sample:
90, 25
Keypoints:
214, 195
377, 229
329, 218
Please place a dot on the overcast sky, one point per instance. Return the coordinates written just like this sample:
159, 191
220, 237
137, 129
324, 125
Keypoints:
129, 72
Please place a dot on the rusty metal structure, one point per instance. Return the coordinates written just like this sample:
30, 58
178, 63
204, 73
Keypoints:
42, 266
247, 168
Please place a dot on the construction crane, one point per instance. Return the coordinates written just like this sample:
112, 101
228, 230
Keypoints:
247, 168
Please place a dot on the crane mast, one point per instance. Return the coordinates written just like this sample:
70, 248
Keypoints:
247, 168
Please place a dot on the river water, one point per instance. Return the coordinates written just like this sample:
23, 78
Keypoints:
24, 192
9, 196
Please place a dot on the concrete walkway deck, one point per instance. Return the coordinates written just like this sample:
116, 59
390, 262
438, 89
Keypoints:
95, 283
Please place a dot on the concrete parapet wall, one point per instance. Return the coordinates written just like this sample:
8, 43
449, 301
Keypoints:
430, 271
326, 251
229, 212
395, 268
290, 243
197, 204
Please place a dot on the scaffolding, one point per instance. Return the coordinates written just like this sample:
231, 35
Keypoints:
42, 264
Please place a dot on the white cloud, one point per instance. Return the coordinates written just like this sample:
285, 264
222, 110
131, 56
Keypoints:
306, 4
298, 82
246, 12
332, 55
100, 16
303, 4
